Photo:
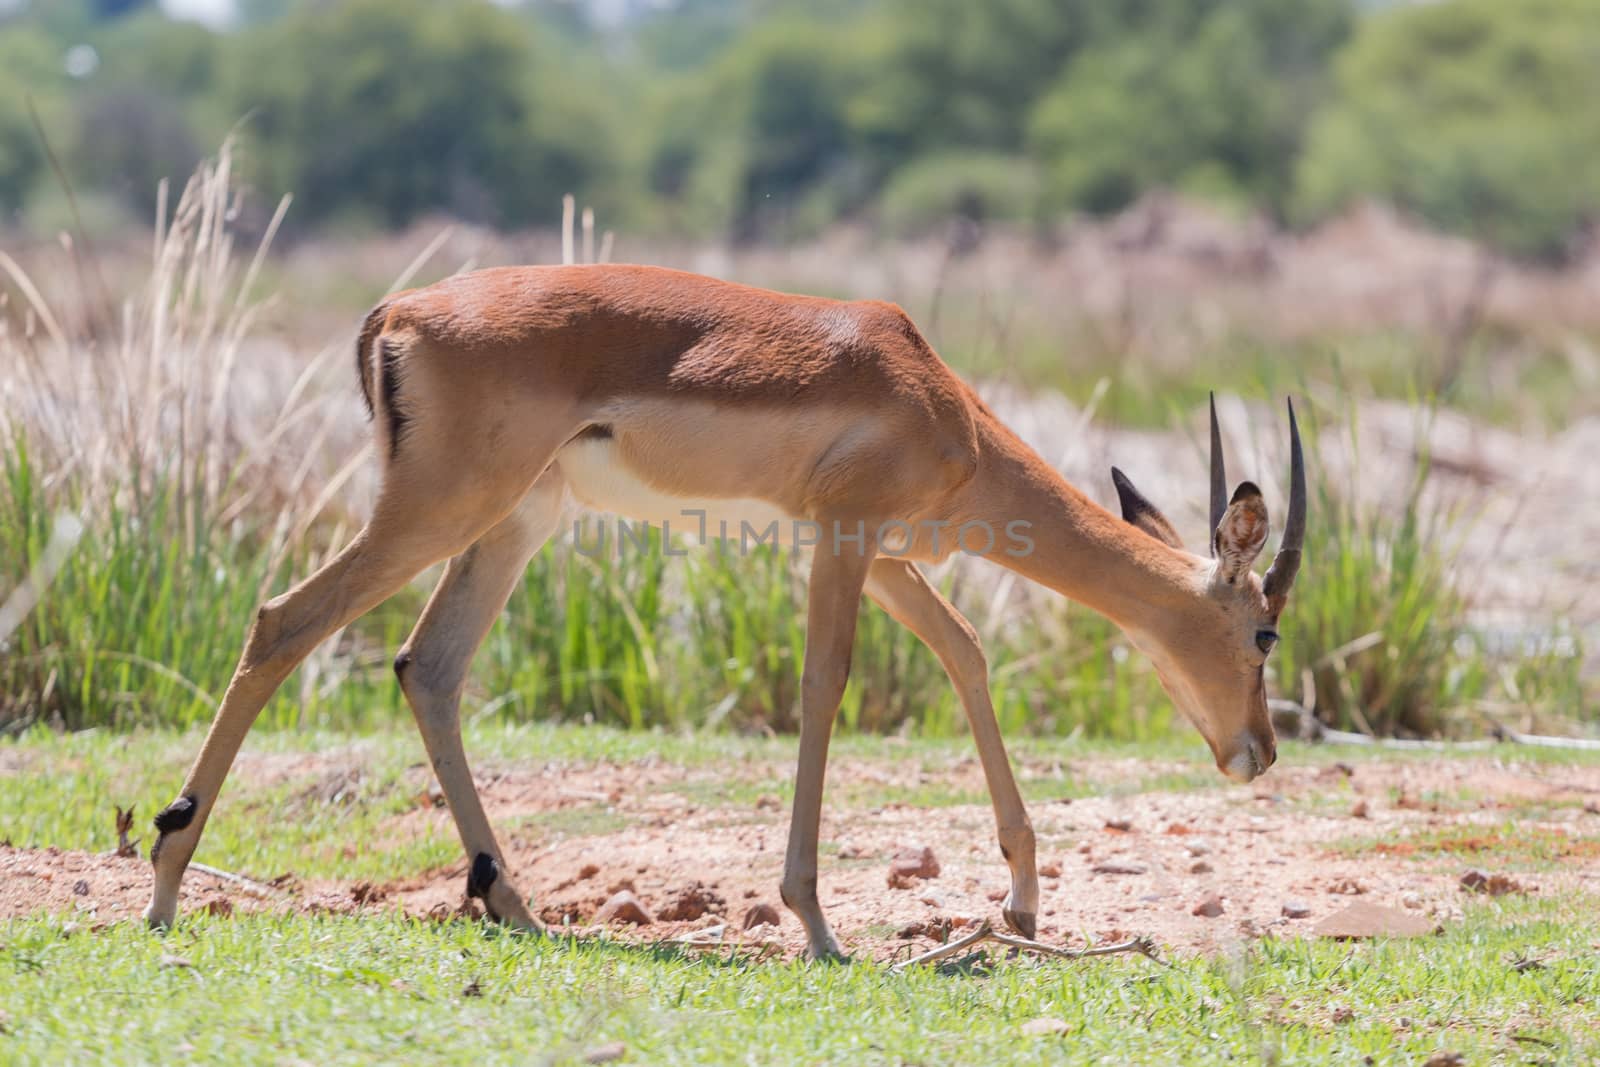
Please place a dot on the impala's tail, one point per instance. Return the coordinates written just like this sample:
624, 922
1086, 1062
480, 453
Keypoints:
366, 360
378, 367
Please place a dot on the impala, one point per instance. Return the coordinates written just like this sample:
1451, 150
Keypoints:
653, 393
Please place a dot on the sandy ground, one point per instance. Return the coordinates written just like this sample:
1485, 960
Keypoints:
1399, 834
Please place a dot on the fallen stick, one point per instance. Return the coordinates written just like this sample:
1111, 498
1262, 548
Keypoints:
259, 888
986, 932
1290, 711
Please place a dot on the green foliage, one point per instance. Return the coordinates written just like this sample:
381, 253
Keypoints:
767, 126
771, 119
1212, 99
420, 106
30, 70
1476, 114
927, 193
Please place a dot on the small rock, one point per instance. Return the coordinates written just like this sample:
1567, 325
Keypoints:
1343, 1014
473, 989
1118, 867
1050, 870
768, 802
1200, 867
1046, 1027
852, 852
1365, 919
1360, 810
363, 893
1296, 909
1209, 908
1347, 887
997, 895
1410, 900
221, 907
606, 1053
1592, 806
912, 864
175, 961
1445, 1059
1197, 848
933, 900
1121, 826
693, 901
623, 907
760, 914
588, 870
80, 887
1496, 885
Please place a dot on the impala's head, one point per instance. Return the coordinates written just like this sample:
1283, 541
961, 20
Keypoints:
1211, 657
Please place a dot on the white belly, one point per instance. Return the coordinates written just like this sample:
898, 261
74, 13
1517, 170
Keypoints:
598, 479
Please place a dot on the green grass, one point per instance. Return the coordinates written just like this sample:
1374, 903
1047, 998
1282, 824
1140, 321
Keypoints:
374, 989
382, 988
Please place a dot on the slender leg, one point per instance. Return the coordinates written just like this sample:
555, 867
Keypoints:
432, 667
392, 549
901, 590
835, 595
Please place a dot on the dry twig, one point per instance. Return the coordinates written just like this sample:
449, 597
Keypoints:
986, 932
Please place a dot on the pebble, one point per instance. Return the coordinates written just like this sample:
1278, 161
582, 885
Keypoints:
910, 864
623, 907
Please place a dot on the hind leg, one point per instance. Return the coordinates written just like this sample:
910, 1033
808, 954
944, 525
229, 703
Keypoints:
386, 554
432, 667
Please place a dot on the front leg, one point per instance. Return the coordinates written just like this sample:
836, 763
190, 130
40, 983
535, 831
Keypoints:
901, 590
837, 575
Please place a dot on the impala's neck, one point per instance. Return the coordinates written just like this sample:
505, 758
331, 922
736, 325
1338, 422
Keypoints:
1080, 549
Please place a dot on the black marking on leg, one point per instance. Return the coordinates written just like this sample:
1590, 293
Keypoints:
482, 875
178, 814
402, 660
1005, 852
172, 818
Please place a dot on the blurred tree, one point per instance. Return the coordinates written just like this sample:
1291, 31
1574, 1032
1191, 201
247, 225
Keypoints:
30, 69
1479, 115
954, 74
398, 107
751, 146
1204, 95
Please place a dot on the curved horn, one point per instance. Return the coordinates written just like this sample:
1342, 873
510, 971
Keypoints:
1219, 479
1280, 576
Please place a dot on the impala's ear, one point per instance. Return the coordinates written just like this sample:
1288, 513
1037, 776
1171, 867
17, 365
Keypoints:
1241, 533
1143, 514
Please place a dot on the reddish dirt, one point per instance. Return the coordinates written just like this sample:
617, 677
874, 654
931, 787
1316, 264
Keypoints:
1113, 866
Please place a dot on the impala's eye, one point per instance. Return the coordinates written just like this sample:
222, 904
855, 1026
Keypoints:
1265, 639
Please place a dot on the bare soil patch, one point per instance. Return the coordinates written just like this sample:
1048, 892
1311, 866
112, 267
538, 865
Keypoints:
1277, 857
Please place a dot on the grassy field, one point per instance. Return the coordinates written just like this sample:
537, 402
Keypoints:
330, 990
294, 986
